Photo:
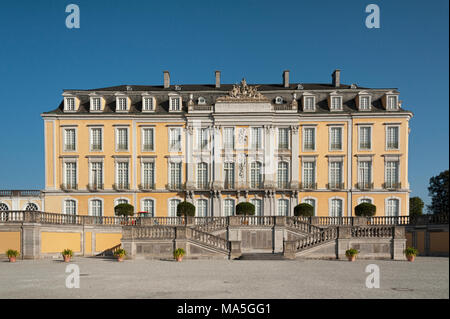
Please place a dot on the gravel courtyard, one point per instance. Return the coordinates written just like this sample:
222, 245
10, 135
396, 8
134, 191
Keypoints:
427, 277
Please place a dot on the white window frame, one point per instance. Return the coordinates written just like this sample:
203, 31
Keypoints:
309, 160
315, 203
360, 199
171, 106
341, 177
330, 200
314, 138
169, 200
330, 128
288, 137
64, 171
260, 145
143, 139
91, 138
261, 201
127, 104
178, 162
91, 104
233, 206
143, 206
65, 129
359, 181
102, 206
116, 168
172, 129
369, 105
233, 137
66, 104
340, 105
386, 200
359, 137
197, 210
387, 126
151, 98
287, 174
91, 175
287, 206
388, 107
305, 96
117, 139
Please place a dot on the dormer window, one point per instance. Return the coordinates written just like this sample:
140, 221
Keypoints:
122, 104
392, 103
175, 103
336, 103
95, 104
148, 104
309, 103
69, 104
201, 100
278, 100
364, 103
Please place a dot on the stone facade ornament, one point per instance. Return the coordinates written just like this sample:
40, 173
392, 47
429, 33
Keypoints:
243, 93
241, 166
191, 102
294, 129
242, 136
294, 103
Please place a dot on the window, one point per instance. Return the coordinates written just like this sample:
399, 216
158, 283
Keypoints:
175, 140
364, 103
392, 137
309, 103
336, 207
96, 208
96, 175
69, 139
229, 175
70, 104
309, 143
201, 100
70, 175
365, 138
308, 175
147, 104
392, 103
228, 207
122, 139
335, 138
365, 175
175, 104
258, 206
31, 207
148, 175
283, 138
96, 139
202, 208
175, 175
278, 100
202, 138
335, 175
147, 139
122, 175
173, 204
121, 201
202, 175
122, 104
365, 200
311, 202
283, 207
283, 175
256, 138
149, 207
336, 103
392, 178
3, 207
228, 141
256, 175
392, 207
95, 104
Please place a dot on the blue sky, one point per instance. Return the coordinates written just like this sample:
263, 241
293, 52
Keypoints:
132, 42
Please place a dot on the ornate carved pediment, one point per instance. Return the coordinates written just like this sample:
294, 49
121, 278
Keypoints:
243, 93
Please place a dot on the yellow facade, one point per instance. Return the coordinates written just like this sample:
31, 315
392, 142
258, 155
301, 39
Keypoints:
9, 240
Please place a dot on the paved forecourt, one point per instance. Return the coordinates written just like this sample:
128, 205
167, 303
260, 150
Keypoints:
427, 277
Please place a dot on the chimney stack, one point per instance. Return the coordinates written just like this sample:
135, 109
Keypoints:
166, 79
286, 78
217, 79
336, 76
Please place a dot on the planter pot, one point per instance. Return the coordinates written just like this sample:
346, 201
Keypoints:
119, 258
179, 258
66, 258
12, 259
410, 257
351, 258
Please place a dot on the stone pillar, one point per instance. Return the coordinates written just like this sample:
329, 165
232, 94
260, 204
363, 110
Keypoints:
279, 231
30, 241
269, 159
217, 159
235, 249
217, 200
343, 241
181, 235
289, 249
360, 221
398, 243
190, 179
295, 160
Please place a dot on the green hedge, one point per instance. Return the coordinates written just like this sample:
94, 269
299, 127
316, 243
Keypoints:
365, 210
124, 210
185, 209
304, 209
245, 208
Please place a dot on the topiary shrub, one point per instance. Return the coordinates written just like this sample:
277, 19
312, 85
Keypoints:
304, 209
124, 209
245, 208
185, 209
365, 210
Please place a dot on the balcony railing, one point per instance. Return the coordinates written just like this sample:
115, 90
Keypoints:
147, 147
364, 146
96, 147
228, 185
392, 146
121, 186
28, 193
308, 185
69, 147
147, 186
335, 185
364, 185
95, 186
308, 147
69, 186
392, 185
175, 147
336, 147
122, 147
283, 185
174, 186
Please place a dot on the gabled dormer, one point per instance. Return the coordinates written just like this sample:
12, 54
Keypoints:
309, 102
71, 102
175, 102
390, 101
96, 103
148, 103
335, 101
122, 102
363, 101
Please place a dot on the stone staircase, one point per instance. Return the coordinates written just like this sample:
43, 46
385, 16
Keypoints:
262, 256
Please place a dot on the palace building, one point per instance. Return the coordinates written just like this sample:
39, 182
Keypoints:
331, 145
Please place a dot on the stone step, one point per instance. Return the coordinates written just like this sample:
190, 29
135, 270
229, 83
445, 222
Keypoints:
262, 256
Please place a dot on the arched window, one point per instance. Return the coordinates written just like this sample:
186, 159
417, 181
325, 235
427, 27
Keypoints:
336, 207
312, 202
202, 175
282, 175
31, 206
70, 207
149, 207
228, 207
96, 208
392, 207
121, 201
365, 200
173, 203
258, 206
3, 207
202, 208
283, 207
256, 175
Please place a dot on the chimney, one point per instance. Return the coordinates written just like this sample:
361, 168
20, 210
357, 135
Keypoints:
166, 79
286, 78
336, 78
217, 79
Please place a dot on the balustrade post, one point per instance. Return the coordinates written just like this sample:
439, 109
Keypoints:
289, 249
235, 249
314, 220
234, 221
360, 221
398, 243
190, 220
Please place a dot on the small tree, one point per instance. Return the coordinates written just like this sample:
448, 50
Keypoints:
438, 190
304, 209
185, 209
245, 208
365, 210
415, 206
124, 210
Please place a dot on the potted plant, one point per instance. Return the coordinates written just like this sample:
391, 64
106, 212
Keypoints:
245, 208
178, 254
411, 253
120, 253
67, 254
351, 254
12, 255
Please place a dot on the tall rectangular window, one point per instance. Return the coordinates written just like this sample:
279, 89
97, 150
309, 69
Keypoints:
202, 208
335, 138
309, 143
147, 139
147, 104
336, 103
392, 207
256, 138
96, 104
392, 103
70, 104
122, 139
309, 103
122, 104
391, 174
308, 175
148, 175
364, 103
258, 206
69, 139
175, 175
283, 138
122, 175
365, 138
228, 141
283, 207
173, 204
335, 175
96, 139
365, 175
229, 175
202, 175
228, 206
96, 175
202, 138
336, 208
283, 175
256, 175
175, 140
70, 175
175, 104
392, 137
